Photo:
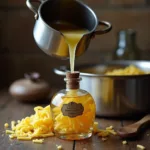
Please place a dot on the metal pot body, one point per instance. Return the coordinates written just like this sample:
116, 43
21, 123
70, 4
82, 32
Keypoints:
75, 12
117, 96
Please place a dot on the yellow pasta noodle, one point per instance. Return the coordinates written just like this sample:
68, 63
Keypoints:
13, 125
103, 133
24, 138
95, 127
140, 147
9, 132
124, 142
6, 125
39, 141
39, 125
59, 147
109, 128
130, 70
11, 136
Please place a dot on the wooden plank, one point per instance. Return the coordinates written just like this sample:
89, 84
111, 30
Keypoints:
131, 142
142, 139
15, 111
12, 110
95, 143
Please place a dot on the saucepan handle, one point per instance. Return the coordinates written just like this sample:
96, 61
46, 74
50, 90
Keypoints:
107, 29
61, 70
33, 8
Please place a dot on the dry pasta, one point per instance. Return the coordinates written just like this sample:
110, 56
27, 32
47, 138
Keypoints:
39, 125
130, 70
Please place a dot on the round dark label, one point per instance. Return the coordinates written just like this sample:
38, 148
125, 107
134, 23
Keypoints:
72, 109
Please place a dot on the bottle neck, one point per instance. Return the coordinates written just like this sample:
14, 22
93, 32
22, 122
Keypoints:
127, 39
72, 84
72, 81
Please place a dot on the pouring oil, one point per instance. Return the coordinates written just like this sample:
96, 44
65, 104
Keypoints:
73, 109
72, 35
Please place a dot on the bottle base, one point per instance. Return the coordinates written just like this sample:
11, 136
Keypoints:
80, 136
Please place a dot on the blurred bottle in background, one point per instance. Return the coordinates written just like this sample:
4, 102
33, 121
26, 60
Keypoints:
126, 46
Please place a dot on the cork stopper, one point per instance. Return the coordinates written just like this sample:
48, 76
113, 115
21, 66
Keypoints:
72, 80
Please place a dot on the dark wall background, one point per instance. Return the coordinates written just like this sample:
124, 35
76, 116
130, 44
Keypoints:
19, 53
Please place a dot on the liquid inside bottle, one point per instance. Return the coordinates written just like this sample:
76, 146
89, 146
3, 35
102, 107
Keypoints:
73, 111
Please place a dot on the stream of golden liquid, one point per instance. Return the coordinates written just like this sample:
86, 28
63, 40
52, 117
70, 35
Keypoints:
72, 38
72, 35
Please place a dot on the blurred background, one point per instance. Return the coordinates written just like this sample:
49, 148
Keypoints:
19, 53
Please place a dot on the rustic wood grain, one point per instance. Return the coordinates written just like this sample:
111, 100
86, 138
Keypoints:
13, 110
95, 143
143, 138
10, 110
131, 142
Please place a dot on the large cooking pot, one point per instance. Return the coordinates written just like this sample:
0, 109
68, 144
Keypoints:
51, 41
115, 95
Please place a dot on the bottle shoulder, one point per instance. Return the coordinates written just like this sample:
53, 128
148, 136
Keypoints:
71, 95
70, 92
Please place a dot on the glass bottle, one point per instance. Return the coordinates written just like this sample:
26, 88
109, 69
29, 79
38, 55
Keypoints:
126, 48
73, 110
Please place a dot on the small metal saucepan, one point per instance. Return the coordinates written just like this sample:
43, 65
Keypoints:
115, 95
75, 12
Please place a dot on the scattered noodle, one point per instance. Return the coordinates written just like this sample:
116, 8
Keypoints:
9, 132
6, 125
39, 141
59, 147
109, 128
140, 147
95, 127
13, 125
124, 142
24, 138
104, 139
11, 136
103, 133
112, 132
39, 125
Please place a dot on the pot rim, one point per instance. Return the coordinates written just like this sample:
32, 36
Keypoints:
79, 2
62, 70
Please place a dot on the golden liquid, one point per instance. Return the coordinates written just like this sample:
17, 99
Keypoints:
71, 128
72, 35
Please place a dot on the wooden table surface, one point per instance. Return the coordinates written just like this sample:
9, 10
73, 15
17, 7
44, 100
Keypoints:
13, 110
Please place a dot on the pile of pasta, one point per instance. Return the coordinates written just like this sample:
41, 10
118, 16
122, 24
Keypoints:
130, 70
39, 125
